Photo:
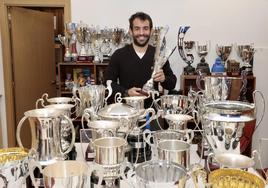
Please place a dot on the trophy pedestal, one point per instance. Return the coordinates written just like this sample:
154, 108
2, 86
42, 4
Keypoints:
203, 67
85, 58
189, 70
247, 69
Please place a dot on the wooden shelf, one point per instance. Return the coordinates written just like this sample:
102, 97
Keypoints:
96, 72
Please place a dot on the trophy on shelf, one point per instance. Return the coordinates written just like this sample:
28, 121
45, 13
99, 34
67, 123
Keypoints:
106, 44
246, 53
224, 51
162, 54
71, 32
117, 36
66, 42
186, 46
202, 51
96, 43
83, 37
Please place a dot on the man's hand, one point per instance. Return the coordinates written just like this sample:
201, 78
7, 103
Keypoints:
135, 91
159, 76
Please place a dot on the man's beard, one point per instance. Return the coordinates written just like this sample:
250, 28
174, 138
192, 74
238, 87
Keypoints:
141, 44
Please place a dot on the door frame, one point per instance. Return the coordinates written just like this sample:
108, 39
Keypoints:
6, 53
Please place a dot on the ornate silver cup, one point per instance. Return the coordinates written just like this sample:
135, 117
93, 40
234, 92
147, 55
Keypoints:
46, 136
246, 53
224, 51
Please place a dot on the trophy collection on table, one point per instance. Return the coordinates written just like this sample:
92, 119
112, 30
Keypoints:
121, 150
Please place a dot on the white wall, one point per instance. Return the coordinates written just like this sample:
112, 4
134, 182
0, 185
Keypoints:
223, 22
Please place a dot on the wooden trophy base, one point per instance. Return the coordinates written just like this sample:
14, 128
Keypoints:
85, 58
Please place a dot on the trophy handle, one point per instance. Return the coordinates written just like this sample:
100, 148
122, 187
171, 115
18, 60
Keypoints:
4, 180
100, 172
110, 90
130, 173
153, 116
32, 165
73, 135
18, 131
200, 77
209, 157
147, 135
189, 135
256, 109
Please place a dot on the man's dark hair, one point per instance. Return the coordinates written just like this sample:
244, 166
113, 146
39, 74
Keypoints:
142, 16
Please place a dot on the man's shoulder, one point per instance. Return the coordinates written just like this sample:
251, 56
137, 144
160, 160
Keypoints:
123, 49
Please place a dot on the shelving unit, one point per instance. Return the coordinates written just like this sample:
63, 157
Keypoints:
96, 69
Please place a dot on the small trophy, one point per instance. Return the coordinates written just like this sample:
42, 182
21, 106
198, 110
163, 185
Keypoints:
66, 42
186, 46
202, 51
224, 52
162, 54
246, 53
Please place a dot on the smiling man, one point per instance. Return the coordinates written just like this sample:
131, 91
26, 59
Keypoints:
131, 66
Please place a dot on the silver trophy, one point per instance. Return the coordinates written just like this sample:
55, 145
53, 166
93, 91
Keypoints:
224, 51
202, 51
246, 53
186, 46
162, 54
66, 42
70, 29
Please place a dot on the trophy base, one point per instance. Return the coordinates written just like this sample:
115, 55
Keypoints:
189, 70
203, 67
248, 70
85, 58
67, 59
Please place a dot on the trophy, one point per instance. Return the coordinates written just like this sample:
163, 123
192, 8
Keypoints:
106, 45
202, 51
66, 41
186, 46
83, 37
70, 29
246, 53
162, 54
223, 52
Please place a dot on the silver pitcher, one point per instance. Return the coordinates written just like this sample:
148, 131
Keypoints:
13, 167
45, 130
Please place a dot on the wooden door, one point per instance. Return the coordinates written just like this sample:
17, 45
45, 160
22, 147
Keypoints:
33, 58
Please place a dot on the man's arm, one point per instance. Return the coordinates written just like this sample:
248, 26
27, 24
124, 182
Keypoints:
112, 73
170, 78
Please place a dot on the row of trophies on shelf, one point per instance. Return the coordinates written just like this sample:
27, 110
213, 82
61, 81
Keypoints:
98, 45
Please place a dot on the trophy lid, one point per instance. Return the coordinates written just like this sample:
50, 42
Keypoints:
118, 110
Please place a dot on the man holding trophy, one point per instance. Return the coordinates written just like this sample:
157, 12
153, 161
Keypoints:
132, 66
